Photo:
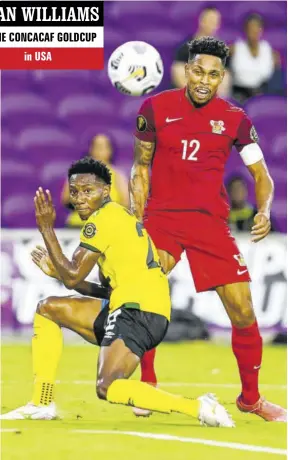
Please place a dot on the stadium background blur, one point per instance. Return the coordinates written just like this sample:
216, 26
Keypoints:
49, 118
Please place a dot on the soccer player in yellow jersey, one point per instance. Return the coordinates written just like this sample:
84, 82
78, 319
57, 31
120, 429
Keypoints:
139, 307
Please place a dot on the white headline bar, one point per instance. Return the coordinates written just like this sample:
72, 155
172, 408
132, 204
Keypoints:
52, 37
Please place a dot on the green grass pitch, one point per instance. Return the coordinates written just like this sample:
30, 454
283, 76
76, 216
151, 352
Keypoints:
190, 369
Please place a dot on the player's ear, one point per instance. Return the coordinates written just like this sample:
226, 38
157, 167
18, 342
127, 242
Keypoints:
186, 68
106, 191
223, 75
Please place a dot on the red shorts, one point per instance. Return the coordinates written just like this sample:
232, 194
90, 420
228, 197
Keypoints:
211, 250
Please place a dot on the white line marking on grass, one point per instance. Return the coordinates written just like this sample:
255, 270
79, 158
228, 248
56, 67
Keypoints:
9, 430
206, 442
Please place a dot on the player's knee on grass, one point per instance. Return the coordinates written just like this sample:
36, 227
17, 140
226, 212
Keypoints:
238, 303
102, 388
103, 383
119, 363
51, 308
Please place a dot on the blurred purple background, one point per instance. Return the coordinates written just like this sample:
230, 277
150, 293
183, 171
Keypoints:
49, 117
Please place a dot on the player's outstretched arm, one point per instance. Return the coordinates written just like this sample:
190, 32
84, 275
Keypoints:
264, 191
139, 181
41, 258
72, 272
83, 260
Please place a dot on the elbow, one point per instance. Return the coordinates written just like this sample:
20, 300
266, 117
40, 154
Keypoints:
70, 284
72, 281
271, 183
265, 179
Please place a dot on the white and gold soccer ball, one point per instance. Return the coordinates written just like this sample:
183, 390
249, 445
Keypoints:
135, 68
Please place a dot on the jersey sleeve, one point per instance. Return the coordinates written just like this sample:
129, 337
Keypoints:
246, 133
246, 142
145, 124
93, 236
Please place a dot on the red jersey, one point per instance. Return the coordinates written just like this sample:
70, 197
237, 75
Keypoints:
192, 147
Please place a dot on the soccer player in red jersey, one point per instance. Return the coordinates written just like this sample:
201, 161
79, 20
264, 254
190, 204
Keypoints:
185, 136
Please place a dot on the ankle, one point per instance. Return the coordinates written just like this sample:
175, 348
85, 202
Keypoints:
249, 400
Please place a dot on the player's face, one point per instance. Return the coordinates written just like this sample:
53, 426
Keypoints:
87, 194
204, 74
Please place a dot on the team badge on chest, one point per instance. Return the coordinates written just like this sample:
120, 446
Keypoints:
217, 126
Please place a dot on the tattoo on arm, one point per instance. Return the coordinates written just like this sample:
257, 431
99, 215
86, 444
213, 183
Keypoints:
139, 182
143, 152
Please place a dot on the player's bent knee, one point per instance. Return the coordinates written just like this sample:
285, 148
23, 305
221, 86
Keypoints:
43, 306
49, 308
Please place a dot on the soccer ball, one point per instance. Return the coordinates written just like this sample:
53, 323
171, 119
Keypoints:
135, 68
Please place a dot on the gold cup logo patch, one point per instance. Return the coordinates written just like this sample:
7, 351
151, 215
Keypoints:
89, 230
141, 123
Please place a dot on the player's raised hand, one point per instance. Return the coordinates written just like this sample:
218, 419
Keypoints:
41, 258
44, 209
261, 228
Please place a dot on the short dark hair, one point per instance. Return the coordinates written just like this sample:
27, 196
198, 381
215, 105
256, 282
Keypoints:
254, 17
208, 45
88, 165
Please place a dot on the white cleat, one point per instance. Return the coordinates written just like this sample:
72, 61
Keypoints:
212, 413
32, 412
141, 412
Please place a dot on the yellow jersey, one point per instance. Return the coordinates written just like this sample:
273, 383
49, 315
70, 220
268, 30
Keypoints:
129, 260
74, 220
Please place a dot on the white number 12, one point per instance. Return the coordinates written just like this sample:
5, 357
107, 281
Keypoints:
195, 145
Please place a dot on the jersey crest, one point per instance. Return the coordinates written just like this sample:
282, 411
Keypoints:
217, 126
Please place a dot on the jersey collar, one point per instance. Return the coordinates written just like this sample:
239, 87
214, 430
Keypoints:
108, 200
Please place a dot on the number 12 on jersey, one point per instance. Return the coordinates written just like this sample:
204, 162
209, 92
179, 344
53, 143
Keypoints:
194, 145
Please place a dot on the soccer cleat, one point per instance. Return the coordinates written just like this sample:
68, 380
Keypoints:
212, 413
32, 412
265, 409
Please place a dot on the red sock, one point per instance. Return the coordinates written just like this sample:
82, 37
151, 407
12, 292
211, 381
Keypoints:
147, 367
247, 348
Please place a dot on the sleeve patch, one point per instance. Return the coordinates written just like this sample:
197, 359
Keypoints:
253, 134
141, 123
89, 230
